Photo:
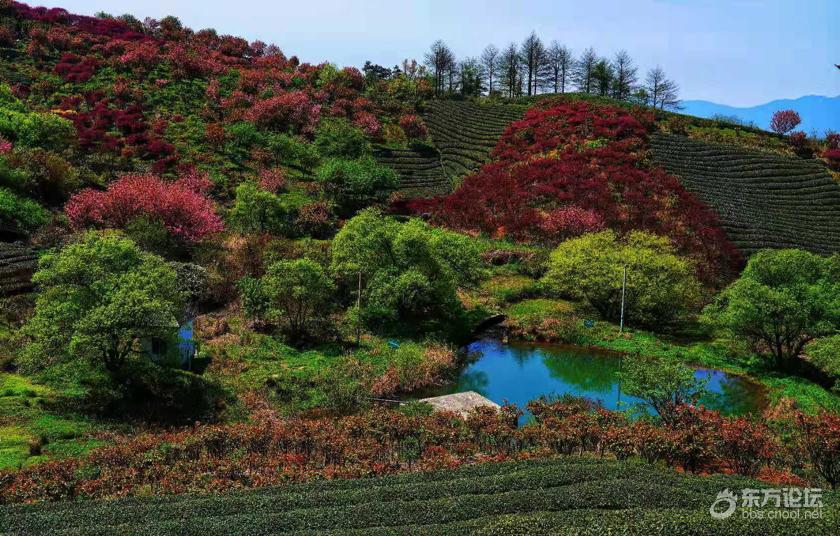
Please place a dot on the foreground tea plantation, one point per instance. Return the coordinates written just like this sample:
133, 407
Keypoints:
568, 496
762, 200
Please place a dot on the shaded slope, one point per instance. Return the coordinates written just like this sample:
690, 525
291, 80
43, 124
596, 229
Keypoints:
561, 496
763, 200
17, 264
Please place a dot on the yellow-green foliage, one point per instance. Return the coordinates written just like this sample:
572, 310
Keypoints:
661, 286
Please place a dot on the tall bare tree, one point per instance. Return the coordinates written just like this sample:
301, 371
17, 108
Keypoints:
559, 60
532, 53
584, 68
625, 75
441, 61
662, 92
490, 64
510, 68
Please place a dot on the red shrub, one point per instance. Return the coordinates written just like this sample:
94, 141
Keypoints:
832, 156
185, 212
272, 180
288, 111
73, 68
799, 141
784, 121
820, 440
746, 445
368, 123
567, 222
413, 126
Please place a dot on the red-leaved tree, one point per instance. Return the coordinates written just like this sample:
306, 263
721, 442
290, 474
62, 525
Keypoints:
784, 121
182, 206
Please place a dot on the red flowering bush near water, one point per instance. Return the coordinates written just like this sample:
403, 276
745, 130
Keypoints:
271, 450
181, 206
573, 167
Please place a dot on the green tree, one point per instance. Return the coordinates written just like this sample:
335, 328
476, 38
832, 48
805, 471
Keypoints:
783, 299
661, 286
410, 271
355, 184
338, 138
297, 292
661, 383
97, 298
258, 211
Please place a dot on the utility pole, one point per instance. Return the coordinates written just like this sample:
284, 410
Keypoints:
623, 292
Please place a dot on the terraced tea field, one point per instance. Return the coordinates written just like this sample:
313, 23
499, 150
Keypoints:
17, 264
420, 174
567, 496
763, 200
465, 132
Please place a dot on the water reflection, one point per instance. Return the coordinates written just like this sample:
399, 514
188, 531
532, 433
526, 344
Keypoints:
519, 373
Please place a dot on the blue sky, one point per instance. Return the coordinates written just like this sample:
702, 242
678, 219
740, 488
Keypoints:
734, 52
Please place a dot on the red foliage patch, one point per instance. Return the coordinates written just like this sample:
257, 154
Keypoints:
288, 111
570, 167
181, 206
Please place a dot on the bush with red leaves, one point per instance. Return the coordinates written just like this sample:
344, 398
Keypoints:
413, 126
73, 68
832, 157
820, 439
181, 206
272, 180
746, 445
569, 167
293, 111
784, 121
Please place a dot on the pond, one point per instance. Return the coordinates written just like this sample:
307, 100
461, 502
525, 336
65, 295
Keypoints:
520, 372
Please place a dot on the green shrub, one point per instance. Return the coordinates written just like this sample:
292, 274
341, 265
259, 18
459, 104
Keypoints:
338, 138
25, 213
661, 286
355, 184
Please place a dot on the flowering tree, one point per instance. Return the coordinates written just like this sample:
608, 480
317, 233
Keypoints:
413, 126
181, 206
784, 121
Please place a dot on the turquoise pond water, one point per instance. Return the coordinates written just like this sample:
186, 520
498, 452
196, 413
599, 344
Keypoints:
518, 373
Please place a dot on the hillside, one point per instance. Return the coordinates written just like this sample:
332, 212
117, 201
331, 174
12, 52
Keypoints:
818, 113
566, 496
763, 200
462, 134
466, 132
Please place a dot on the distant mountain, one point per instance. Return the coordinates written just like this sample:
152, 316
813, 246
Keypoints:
818, 113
